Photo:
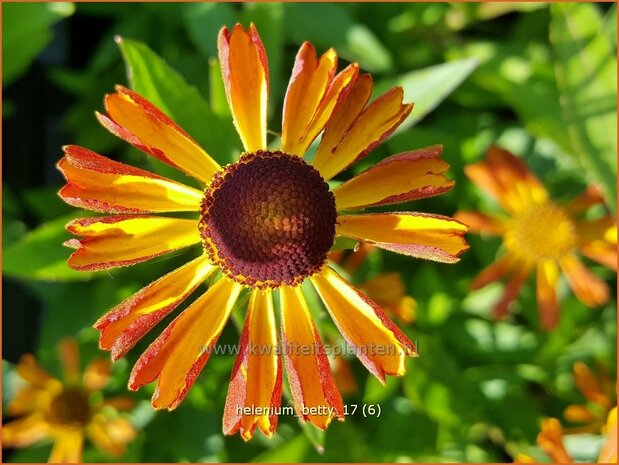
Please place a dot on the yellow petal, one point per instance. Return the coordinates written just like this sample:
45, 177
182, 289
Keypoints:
28, 400
246, 80
111, 435
178, 355
338, 87
100, 184
399, 178
524, 458
347, 109
97, 374
601, 252
379, 344
369, 129
24, 431
608, 454
123, 326
547, 277
29, 370
431, 237
137, 121
314, 392
122, 240
256, 382
589, 289
598, 240
69, 356
308, 85
67, 446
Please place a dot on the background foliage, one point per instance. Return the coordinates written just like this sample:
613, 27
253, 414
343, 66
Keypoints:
539, 80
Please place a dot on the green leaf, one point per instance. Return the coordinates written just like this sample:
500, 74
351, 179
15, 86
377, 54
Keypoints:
330, 25
26, 30
45, 203
610, 25
40, 254
152, 77
217, 90
204, 20
344, 243
186, 435
314, 435
462, 15
293, 451
586, 72
521, 75
429, 86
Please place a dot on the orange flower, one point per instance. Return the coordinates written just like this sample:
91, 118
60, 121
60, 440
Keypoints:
550, 440
598, 391
266, 222
68, 410
539, 235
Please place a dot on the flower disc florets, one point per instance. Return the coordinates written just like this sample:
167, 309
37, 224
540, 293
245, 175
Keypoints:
70, 409
268, 220
542, 232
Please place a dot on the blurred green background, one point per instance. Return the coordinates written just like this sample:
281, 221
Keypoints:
503, 73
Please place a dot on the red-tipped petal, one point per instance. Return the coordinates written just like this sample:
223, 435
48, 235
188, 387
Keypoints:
379, 344
432, 237
123, 326
113, 241
178, 355
256, 384
399, 178
97, 183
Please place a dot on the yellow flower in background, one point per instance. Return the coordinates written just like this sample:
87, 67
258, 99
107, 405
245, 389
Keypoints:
540, 236
265, 224
67, 411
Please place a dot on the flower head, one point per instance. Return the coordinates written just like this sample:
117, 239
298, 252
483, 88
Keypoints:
66, 411
599, 393
539, 235
266, 224
550, 440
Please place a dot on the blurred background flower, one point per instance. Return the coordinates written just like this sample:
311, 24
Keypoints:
67, 411
540, 237
508, 74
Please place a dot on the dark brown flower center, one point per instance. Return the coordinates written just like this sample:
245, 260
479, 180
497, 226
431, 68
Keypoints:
70, 409
268, 220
